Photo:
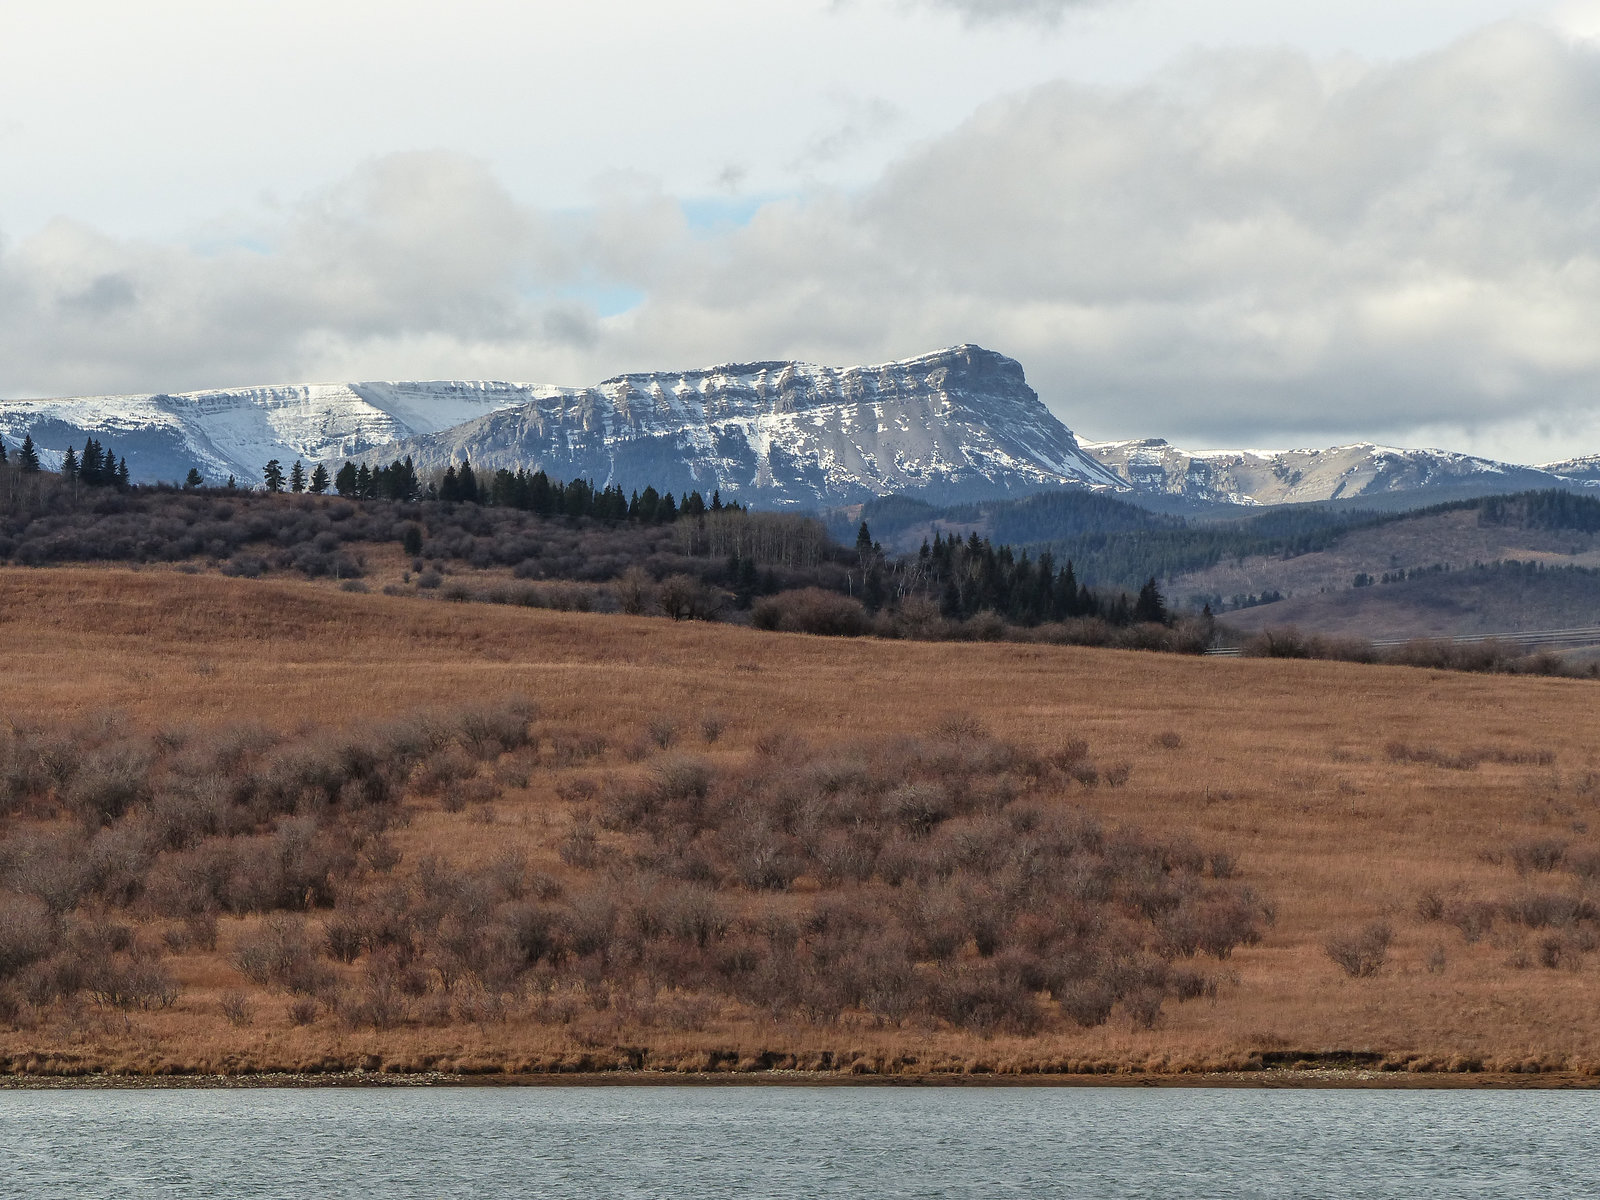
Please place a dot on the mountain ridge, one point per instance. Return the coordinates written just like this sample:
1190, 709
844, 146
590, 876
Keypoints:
955, 425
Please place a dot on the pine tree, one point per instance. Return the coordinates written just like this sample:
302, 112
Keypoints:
863, 544
28, 457
2, 450
297, 477
1150, 607
411, 539
345, 481
194, 479
69, 465
124, 479
272, 476
91, 467
467, 483
450, 486
319, 480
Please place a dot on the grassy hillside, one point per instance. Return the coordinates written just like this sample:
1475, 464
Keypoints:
682, 807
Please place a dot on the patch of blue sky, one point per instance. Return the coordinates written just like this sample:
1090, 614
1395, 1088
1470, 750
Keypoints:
717, 214
607, 299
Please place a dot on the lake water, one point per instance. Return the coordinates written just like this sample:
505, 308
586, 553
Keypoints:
1104, 1143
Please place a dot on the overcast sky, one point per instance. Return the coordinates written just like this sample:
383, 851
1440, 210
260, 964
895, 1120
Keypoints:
1226, 222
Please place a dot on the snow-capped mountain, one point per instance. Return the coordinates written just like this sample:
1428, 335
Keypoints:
958, 424
1585, 470
235, 432
1260, 477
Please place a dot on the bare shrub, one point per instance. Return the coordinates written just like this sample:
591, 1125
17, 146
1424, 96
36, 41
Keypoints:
302, 1011
235, 1007
1474, 919
1168, 739
278, 952
1361, 953
27, 932
663, 731
711, 726
1088, 1002
1430, 906
1537, 854
811, 610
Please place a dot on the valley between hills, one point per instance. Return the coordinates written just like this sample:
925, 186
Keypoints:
274, 826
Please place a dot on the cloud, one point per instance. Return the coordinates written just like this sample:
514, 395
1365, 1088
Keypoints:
979, 11
1251, 247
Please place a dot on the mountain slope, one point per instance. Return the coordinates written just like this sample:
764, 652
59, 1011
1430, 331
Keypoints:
1263, 477
235, 432
960, 423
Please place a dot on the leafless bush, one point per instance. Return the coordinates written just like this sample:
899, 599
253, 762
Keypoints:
663, 731
1537, 854
811, 610
1361, 953
28, 932
236, 1008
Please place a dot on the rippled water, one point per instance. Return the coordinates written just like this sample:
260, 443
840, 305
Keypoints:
796, 1142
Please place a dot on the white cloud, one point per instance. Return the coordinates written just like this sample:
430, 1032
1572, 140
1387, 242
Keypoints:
1252, 247
978, 11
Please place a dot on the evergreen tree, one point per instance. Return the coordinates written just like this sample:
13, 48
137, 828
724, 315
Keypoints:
124, 480
364, 482
2, 450
649, 502
194, 479
319, 481
28, 457
467, 483
667, 510
297, 477
450, 486
69, 465
91, 467
863, 543
1150, 607
272, 475
345, 481
411, 539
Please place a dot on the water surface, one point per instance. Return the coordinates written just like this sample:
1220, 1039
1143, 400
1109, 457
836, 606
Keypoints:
1105, 1143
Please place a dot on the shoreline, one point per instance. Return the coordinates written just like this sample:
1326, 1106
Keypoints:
1314, 1078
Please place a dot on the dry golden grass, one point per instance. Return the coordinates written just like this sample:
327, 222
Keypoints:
1281, 762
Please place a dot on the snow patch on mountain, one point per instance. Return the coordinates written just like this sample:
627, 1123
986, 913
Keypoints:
956, 424
236, 431
1264, 477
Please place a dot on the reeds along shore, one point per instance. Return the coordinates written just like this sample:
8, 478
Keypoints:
275, 826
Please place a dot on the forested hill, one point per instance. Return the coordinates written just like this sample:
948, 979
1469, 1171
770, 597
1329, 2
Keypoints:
1112, 543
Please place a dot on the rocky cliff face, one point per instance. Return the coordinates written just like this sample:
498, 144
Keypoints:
955, 425
1261, 477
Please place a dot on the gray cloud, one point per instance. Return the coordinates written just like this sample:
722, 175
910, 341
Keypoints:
1253, 248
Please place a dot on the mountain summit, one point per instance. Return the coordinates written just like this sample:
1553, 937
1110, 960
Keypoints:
958, 424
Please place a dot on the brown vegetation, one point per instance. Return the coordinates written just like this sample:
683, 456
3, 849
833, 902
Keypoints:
708, 847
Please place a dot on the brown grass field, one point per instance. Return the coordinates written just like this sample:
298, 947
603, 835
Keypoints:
1288, 765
